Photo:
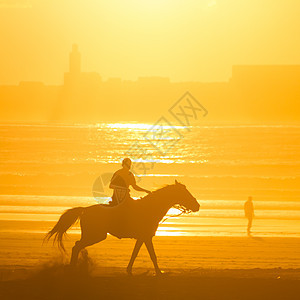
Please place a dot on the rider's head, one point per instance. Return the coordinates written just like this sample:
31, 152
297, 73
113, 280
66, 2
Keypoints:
250, 198
126, 163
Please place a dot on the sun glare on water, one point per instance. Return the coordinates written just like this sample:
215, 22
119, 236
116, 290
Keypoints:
137, 126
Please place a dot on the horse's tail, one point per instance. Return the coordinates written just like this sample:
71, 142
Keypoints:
66, 220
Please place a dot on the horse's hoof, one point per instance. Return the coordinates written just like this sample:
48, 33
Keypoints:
70, 269
129, 272
159, 273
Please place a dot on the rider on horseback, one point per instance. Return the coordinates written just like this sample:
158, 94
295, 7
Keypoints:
121, 181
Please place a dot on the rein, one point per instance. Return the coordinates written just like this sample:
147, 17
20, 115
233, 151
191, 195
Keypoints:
179, 207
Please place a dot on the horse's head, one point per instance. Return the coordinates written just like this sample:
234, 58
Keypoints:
185, 198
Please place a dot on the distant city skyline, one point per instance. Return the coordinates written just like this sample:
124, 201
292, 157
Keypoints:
182, 40
74, 71
254, 93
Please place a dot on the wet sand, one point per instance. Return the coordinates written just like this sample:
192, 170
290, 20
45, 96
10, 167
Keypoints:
23, 250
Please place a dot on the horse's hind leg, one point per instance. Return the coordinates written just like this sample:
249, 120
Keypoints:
75, 251
79, 245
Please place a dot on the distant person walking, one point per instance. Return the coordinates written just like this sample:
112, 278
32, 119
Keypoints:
249, 213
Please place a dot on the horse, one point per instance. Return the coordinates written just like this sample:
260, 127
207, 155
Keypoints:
137, 219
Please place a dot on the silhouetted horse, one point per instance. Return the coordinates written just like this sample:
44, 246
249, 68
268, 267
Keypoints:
137, 219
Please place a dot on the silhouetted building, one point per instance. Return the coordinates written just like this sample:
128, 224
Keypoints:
75, 60
75, 79
249, 76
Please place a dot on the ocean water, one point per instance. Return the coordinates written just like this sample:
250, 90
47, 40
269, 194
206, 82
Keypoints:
46, 169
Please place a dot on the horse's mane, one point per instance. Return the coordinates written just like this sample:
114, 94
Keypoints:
160, 190
154, 193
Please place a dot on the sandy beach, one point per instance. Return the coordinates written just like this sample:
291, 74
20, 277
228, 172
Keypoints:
56, 282
194, 268
22, 250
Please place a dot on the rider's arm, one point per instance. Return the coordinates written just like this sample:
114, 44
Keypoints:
138, 188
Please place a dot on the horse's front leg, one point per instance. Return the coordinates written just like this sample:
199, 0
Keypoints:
150, 248
134, 254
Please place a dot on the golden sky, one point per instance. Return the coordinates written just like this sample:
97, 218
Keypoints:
185, 40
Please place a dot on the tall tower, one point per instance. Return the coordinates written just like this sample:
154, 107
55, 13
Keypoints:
75, 60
